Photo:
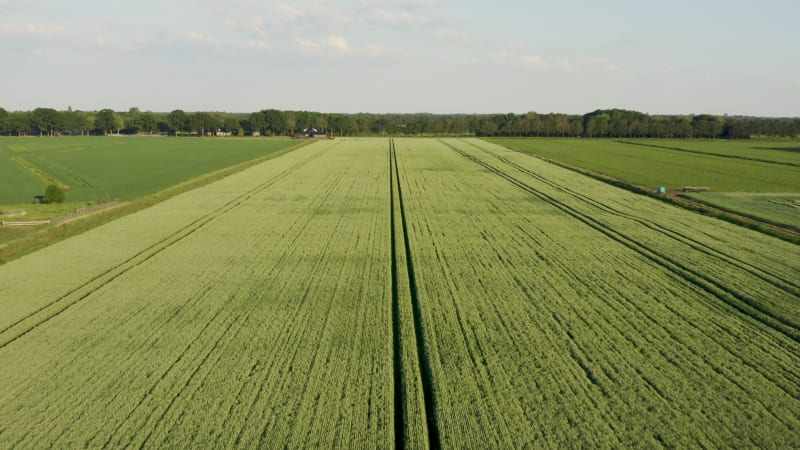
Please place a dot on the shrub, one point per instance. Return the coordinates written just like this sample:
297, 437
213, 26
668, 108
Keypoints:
53, 194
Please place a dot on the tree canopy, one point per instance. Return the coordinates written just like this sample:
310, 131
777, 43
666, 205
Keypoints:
53, 194
107, 121
606, 123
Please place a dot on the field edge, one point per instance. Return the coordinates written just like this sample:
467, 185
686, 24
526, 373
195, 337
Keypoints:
780, 231
45, 237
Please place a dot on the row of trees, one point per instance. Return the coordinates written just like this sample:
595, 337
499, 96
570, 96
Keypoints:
272, 122
48, 121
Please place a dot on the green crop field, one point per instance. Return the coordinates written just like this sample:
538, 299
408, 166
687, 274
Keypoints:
408, 293
746, 168
781, 152
649, 164
17, 184
778, 208
97, 169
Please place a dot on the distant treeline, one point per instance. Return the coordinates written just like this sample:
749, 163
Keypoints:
272, 122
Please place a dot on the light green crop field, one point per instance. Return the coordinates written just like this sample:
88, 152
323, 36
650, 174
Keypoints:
409, 293
747, 168
98, 169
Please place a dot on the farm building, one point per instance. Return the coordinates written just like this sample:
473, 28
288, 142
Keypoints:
313, 133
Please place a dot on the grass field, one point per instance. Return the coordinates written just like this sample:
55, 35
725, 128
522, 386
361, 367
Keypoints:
97, 169
747, 168
17, 184
404, 293
781, 152
775, 208
31, 212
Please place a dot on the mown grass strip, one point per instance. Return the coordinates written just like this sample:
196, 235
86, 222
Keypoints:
37, 171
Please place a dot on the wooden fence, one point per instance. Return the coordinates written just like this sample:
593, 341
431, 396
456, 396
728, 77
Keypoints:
57, 220
28, 223
81, 211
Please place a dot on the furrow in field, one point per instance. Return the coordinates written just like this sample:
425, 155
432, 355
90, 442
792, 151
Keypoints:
508, 302
400, 433
35, 318
267, 406
738, 299
737, 263
790, 286
426, 375
563, 315
299, 325
289, 238
182, 357
768, 376
414, 407
714, 252
463, 336
283, 266
489, 423
308, 395
300, 350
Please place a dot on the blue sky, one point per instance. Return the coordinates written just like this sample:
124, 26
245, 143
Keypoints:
439, 56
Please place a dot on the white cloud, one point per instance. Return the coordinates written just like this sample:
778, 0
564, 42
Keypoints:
598, 63
529, 60
199, 38
283, 22
382, 51
512, 57
30, 29
287, 13
420, 3
317, 18
336, 42
532, 60
453, 35
315, 27
397, 18
213, 43
332, 42
413, 4
26, 38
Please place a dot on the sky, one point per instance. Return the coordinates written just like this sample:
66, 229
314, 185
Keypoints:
404, 56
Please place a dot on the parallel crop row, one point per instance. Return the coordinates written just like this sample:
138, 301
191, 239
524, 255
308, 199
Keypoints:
403, 293
675, 250
562, 312
415, 399
267, 325
50, 308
